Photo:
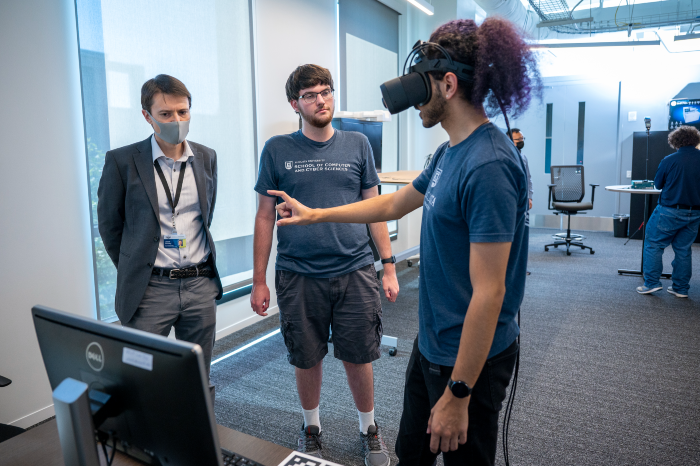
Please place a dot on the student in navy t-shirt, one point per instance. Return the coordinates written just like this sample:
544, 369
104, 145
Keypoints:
473, 244
324, 274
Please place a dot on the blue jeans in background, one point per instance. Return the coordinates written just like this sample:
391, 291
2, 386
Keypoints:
678, 228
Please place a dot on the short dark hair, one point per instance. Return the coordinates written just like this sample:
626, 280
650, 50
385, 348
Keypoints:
683, 137
165, 84
513, 130
306, 76
505, 69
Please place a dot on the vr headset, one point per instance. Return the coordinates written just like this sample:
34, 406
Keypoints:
413, 88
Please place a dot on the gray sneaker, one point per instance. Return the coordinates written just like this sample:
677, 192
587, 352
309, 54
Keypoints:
373, 447
646, 290
675, 293
310, 441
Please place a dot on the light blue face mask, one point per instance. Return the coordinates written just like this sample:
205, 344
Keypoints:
172, 132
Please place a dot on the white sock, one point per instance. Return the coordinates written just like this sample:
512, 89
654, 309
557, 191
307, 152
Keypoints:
312, 417
366, 420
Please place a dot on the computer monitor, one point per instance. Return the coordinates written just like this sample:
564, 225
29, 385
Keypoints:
160, 406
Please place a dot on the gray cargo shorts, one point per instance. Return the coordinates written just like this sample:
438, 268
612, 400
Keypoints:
349, 304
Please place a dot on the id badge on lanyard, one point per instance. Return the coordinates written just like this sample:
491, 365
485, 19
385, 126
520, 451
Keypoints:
174, 240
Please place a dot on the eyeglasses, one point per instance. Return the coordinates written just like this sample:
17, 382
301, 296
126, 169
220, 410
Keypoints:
519, 139
311, 97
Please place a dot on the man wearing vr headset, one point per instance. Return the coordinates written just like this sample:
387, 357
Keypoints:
325, 274
474, 196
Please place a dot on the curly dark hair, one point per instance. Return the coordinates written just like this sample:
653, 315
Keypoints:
505, 69
306, 76
683, 137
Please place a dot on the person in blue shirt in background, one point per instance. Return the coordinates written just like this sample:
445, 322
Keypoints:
676, 218
473, 245
519, 140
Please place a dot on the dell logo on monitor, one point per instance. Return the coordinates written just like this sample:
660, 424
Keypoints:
95, 356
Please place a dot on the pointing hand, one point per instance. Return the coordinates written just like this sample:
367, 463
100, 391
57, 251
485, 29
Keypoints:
292, 211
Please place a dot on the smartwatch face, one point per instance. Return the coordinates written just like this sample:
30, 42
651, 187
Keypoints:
460, 389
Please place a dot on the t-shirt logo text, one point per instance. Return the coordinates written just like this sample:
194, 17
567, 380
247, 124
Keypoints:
436, 177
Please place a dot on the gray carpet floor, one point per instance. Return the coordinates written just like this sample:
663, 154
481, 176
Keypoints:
607, 376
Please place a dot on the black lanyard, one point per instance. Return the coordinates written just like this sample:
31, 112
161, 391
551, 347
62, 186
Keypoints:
167, 188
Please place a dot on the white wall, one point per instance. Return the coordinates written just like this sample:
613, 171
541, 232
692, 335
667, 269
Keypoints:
43, 191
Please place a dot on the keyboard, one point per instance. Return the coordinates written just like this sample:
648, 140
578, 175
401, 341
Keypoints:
234, 459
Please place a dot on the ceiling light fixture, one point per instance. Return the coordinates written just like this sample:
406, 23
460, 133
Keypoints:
562, 22
686, 37
563, 45
423, 6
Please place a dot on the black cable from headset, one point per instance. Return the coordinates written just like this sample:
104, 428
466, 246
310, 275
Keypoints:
102, 442
509, 405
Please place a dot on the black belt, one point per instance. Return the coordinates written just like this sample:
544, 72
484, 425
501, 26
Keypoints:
201, 270
685, 207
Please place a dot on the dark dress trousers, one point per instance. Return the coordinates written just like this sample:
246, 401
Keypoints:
127, 210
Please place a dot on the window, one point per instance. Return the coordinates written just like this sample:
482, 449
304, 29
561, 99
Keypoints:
369, 45
207, 45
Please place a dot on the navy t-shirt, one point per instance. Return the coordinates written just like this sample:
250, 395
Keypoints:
678, 176
320, 175
475, 192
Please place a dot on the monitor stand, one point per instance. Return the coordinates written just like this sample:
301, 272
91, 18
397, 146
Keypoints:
75, 426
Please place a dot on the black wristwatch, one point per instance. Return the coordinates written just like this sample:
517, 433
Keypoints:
391, 260
459, 389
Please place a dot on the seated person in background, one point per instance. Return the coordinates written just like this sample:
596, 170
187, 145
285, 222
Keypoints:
677, 216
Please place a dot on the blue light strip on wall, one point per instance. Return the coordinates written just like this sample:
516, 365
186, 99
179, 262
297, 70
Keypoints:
548, 141
579, 142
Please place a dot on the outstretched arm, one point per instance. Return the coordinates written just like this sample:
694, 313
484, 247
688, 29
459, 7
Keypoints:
377, 209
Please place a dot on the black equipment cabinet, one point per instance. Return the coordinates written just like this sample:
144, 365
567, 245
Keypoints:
658, 149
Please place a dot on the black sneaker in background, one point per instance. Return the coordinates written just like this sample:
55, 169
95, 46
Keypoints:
373, 448
310, 441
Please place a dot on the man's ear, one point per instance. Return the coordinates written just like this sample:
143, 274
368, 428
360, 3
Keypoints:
449, 83
145, 115
295, 105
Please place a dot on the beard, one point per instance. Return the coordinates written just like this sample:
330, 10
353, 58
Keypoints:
433, 112
318, 121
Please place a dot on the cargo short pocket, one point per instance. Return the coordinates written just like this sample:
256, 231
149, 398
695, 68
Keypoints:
379, 328
286, 329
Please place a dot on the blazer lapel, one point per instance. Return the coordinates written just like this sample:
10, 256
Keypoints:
200, 181
143, 159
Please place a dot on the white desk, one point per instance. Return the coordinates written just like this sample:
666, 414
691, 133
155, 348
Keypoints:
399, 178
647, 192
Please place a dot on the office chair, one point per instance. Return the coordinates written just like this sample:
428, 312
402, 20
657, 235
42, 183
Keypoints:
7, 431
565, 195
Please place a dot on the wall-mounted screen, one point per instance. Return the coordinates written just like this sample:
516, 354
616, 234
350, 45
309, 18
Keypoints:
684, 112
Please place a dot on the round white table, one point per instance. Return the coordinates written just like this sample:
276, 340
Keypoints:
647, 193
625, 188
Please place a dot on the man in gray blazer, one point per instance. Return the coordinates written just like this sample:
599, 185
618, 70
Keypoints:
155, 207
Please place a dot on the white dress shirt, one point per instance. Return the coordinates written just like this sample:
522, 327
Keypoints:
188, 214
